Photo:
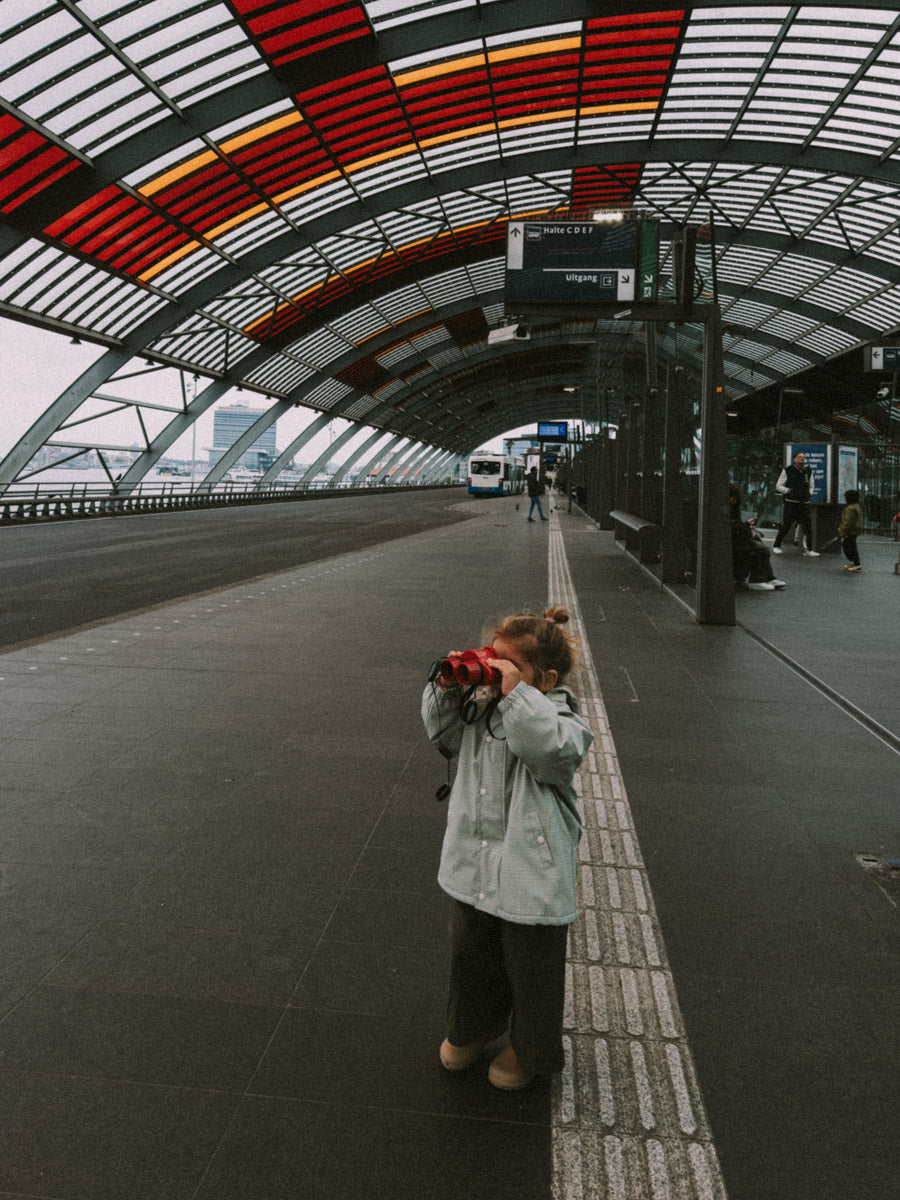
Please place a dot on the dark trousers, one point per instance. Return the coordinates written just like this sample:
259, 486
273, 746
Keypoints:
848, 545
794, 512
502, 972
536, 501
753, 564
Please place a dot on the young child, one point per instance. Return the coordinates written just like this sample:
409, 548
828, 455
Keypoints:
850, 528
509, 853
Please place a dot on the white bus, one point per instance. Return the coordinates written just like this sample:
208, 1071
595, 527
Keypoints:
495, 475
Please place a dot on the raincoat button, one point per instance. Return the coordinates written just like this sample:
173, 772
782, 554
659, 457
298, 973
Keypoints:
540, 841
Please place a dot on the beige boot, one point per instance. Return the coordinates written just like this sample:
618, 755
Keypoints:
507, 1072
457, 1058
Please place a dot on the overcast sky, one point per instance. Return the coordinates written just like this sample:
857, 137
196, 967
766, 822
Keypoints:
37, 365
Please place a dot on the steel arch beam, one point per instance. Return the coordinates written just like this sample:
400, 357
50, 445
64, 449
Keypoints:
422, 458
356, 455
68, 401
388, 448
177, 426
59, 411
246, 440
323, 459
400, 456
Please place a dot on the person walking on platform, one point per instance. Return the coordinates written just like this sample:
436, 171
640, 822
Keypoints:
509, 855
850, 528
535, 487
794, 484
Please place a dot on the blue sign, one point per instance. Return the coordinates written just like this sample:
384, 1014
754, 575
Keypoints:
553, 429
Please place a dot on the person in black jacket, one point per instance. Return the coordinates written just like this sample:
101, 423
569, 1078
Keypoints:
794, 485
535, 486
749, 556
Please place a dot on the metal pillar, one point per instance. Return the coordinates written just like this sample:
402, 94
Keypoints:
606, 496
621, 461
673, 547
632, 478
715, 580
648, 506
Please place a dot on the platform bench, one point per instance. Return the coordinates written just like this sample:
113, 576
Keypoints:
642, 538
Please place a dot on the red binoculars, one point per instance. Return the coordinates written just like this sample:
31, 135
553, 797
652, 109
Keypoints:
470, 668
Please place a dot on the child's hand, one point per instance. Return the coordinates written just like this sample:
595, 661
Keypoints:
510, 674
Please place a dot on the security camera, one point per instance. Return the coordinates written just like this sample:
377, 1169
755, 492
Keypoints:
884, 392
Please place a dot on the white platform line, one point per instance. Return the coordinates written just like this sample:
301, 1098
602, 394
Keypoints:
629, 1121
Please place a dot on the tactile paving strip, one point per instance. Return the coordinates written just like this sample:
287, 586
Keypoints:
629, 1121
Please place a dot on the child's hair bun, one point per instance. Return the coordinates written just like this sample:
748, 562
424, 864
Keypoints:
558, 615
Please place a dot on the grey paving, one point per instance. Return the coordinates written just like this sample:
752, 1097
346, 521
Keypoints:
222, 964
751, 790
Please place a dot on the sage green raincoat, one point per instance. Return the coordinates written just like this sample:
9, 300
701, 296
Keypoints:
513, 826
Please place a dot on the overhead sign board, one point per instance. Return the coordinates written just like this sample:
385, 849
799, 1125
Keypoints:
580, 262
553, 429
884, 358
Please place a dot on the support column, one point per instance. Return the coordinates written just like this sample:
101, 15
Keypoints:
673, 557
715, 580
623, 438
648, 505
606, 493
633, 461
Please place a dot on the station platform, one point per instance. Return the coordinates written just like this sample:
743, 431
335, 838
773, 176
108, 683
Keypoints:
223, 947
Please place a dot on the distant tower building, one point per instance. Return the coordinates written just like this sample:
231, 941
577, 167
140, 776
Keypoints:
228, 425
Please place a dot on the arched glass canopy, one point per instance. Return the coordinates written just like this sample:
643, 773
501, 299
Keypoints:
309, 199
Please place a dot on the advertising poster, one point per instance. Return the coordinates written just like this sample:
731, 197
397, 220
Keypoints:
848, 470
